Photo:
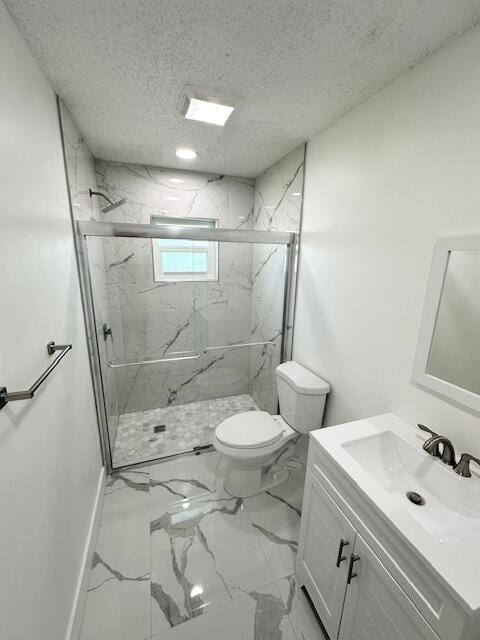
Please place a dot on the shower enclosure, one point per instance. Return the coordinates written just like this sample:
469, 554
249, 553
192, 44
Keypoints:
186, 326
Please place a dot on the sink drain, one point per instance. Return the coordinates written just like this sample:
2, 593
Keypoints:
416, 498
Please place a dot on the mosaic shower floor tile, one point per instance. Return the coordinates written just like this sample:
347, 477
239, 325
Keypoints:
156, 433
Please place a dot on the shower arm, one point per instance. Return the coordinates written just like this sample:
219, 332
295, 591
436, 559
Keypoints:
101, 195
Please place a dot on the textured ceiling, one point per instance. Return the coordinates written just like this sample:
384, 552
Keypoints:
298, 65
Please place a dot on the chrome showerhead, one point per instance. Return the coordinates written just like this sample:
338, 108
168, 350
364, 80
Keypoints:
111, 205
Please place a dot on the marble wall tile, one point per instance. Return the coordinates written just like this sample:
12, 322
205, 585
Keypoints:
81, 178
80, 169
151, 319
278, 207
267, 321
279, 194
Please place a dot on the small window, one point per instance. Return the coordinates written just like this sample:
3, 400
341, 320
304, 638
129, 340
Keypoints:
184, 260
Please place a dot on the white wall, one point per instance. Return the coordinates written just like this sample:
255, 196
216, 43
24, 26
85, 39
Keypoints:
49, 452
380, 185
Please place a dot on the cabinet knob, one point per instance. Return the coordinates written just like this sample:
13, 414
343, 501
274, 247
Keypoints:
341, 546
351, 573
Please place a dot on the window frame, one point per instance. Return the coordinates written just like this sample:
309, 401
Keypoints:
210, 248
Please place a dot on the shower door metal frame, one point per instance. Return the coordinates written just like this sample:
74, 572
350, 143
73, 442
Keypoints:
86, 229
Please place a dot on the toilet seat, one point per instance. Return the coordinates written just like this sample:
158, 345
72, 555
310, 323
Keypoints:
249, 430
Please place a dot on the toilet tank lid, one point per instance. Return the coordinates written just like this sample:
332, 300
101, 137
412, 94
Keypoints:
301, 379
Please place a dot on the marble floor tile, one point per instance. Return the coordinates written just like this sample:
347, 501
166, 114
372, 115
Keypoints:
195, 563
301, 452
118, 599
300, 612
126, 494
185, 425
185, 477
204, 553
258, 615
276, 518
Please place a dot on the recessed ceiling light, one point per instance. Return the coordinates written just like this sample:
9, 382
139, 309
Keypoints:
175, 180
186, 154
209, 111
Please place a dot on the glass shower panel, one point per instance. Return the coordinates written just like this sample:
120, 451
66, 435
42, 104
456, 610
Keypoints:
268, 300
149, 360
244, 306
188, 333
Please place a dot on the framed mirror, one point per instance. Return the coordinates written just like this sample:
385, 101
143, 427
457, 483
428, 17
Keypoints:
447, 359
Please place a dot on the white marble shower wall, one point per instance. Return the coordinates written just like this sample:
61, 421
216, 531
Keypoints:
277, 207
152, 319
81, 178
149, 319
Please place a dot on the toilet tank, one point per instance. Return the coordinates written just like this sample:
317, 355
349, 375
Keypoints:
301, 395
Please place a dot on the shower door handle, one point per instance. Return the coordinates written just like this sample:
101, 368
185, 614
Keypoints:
195, 356
239, 345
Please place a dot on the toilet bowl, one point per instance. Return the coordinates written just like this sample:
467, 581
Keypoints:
251, 442
257, 446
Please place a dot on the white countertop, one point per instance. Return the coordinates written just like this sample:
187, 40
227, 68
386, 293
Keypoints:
454, 555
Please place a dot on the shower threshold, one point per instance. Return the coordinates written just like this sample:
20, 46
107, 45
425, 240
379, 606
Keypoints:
187, 427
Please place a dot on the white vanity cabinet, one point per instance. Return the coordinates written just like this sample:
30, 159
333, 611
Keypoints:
363, 578
375, 605
354, 595
327, 540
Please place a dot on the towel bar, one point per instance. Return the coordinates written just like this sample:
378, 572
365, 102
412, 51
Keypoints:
26, 394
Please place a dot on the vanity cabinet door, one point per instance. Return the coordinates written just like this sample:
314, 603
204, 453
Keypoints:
326, 540
375, 606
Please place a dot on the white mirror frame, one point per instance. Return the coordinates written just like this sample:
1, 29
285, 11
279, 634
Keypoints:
441, 252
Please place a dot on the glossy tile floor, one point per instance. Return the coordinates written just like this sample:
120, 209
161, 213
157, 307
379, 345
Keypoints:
179, 559
186, 426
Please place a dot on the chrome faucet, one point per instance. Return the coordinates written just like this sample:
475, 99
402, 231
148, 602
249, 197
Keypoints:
463, 466
432, 446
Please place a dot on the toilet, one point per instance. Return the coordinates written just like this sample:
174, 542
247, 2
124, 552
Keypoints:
257, 446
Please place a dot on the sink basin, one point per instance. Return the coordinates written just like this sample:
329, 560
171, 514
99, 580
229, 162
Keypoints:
451, 506
370, 465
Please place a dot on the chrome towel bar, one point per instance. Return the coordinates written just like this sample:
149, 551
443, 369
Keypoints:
195, 356
240, 345
27, 394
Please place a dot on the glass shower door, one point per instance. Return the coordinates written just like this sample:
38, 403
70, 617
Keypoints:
149, 356
188, 331
243, 331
